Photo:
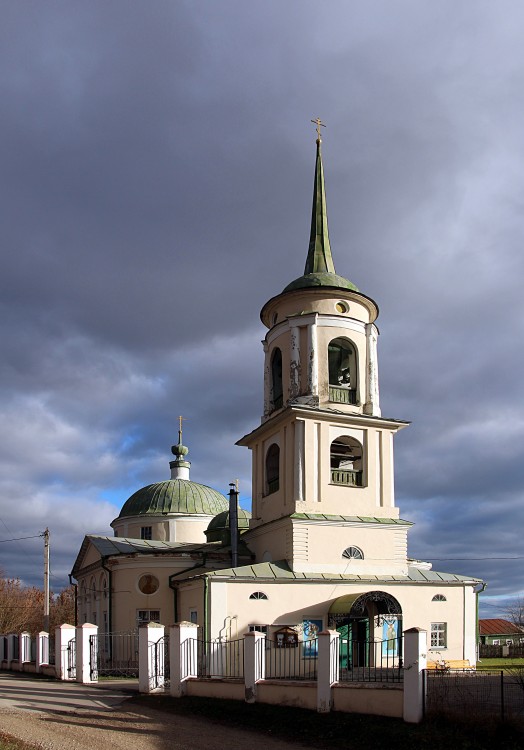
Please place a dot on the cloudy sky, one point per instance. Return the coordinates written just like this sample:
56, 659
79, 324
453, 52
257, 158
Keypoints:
156, 175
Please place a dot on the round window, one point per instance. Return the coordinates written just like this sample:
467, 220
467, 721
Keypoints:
342, 307
148, 584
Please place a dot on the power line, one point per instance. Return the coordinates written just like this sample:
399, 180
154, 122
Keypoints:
18, 539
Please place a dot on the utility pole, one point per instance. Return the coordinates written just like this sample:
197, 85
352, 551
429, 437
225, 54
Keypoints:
46, 580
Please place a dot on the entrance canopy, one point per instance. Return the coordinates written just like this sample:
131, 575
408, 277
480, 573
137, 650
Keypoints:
357, 606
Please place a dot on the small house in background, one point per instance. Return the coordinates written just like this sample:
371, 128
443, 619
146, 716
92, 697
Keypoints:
496, 632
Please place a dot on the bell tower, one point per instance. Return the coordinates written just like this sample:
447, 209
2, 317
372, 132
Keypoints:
323, 450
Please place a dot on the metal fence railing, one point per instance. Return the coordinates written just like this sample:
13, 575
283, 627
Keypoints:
292, 661
220, 658
486, 694
371, 661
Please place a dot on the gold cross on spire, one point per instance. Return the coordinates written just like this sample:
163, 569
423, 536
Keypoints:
318, 122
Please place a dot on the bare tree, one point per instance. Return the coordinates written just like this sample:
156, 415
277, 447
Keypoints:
22, 607
514, 611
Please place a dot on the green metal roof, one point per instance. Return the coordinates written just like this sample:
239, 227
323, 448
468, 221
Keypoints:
280, 571
175, 496
350, 519
218, 529
320, 269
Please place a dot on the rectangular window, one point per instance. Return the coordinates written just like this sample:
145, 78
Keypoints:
147, 615
259, 629
193, 616
146, 532
438, 635
509, 642
496, 642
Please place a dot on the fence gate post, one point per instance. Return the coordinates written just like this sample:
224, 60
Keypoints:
24, 649
415, 661
64, 636
327, 669
42, 650
183, 656
84, 673
254, 662
150, 657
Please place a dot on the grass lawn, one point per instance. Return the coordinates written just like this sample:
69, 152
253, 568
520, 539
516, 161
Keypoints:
500, 663
342, 730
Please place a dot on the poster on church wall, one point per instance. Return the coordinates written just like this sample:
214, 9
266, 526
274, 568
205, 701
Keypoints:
310, 630
390, 636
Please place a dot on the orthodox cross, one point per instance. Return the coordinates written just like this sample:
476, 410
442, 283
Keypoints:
318, 122
180, 419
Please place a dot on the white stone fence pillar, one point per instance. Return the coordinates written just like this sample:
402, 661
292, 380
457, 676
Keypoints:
415, 661
151, 657
183, 656
254, 663
65, 652
327, 669
86, 659
42, 650
24, 648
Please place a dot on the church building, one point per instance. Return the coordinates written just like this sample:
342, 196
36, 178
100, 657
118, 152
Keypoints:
324, 545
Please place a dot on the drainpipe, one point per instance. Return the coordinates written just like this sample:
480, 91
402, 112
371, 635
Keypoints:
233, 523
483, 585
174, 586
110, 597
75, 585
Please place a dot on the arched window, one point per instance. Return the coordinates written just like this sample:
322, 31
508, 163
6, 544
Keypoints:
439, 598
353, 553
258, 595
272, 469
277, 398
346, 462
342, 361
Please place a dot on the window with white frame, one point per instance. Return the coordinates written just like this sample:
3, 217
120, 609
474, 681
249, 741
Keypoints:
147, 615
259, 629
509, 641
496, 642
438, 635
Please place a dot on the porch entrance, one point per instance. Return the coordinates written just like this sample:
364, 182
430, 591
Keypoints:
370, 627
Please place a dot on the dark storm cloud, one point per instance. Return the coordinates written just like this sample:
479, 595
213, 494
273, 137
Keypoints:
156, 168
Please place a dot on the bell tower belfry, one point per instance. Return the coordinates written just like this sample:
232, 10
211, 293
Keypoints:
323, 454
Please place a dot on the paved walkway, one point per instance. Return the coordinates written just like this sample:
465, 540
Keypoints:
26, 693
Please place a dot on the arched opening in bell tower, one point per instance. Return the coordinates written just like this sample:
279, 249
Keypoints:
272, 469
342, 362
277, 393
346, 462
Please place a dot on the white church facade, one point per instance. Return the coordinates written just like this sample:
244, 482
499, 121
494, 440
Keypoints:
324, 545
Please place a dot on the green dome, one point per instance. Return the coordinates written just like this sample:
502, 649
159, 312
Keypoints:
218, 528
175, 496
324, 279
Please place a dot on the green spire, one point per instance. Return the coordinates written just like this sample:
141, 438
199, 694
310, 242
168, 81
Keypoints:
319, 258
320, 269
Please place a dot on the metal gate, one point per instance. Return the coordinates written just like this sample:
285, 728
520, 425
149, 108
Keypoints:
93, 657
159, 661
71, 659
114, 654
